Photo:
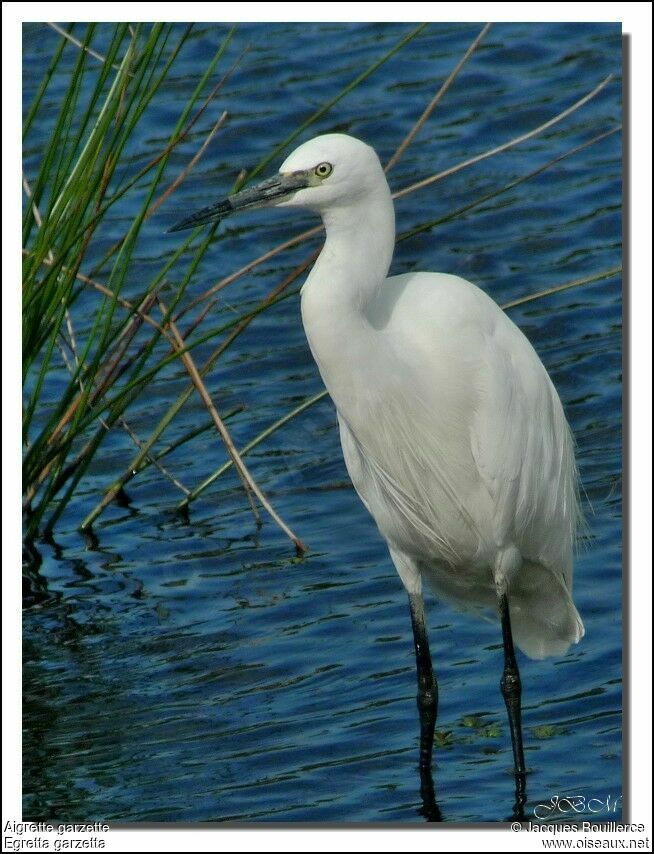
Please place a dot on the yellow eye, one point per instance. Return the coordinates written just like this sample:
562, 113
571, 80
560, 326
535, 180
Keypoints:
323, 170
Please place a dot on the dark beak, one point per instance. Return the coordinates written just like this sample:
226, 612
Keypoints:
266, 193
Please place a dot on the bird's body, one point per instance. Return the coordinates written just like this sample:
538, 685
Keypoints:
452, 432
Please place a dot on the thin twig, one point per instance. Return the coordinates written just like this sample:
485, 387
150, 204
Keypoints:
426, 226
506, 145
126, 336
38, 219
587, 280
429, 109
182, 175
71, 335
71, 38
200, 317
271, 253
126, 427
113, 366
64, 356
251, 445
198, 382
103, 289
248, 481
129, 332
153, 460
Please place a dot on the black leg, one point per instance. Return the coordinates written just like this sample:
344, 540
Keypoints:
511, 687
427, 687
427, 706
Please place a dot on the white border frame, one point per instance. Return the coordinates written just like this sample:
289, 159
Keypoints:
637, 23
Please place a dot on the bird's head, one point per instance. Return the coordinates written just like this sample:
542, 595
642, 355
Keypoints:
334, 170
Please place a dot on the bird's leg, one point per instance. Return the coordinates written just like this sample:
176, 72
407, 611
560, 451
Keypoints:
427, 706
427, 687
511, 687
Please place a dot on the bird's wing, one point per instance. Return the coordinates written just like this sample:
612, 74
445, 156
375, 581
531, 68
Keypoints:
489, 431
460, 444
524, 450
409, 454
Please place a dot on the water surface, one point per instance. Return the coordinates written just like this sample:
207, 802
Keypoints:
196, 670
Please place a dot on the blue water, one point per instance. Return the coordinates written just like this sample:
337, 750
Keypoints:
197, 670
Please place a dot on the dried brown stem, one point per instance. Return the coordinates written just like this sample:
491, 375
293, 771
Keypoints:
198, 382
153, 460
249, 483
130, 331
103, 289
126, 336
288, 244
506, 145
182, 175
429, 109
586, 280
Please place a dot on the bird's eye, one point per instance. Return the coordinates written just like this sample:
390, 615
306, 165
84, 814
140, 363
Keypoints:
322, 170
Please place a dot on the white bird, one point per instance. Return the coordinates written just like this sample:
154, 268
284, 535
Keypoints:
452, 432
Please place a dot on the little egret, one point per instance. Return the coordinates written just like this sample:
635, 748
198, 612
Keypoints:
452, 432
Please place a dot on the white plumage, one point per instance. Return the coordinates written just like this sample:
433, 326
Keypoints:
452, 432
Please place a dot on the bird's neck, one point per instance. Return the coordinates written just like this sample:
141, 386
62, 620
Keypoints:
350, 270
